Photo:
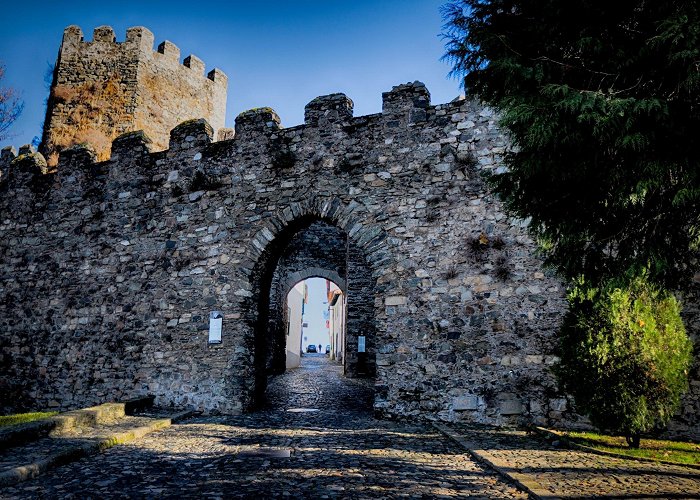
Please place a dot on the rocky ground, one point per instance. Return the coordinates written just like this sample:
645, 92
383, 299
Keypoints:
316, 438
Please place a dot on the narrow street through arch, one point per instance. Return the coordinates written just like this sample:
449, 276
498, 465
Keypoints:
308, 249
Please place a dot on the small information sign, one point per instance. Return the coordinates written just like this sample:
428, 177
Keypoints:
361, 343
216, 319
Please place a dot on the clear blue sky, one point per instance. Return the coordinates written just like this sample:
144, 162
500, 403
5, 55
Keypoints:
316, 333
276, 53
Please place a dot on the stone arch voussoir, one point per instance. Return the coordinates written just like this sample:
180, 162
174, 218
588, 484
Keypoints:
351, 218
314, 272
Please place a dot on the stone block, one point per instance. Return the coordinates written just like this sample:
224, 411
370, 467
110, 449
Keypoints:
218, 76
558, 404
404, 98
128, 144
27, 149
511, 407
225, 134
141, 38
72, 35
463, 403
194, 63
396, 300
328, 109
258, 120
191, 134
534, 359
169, 50
103, 34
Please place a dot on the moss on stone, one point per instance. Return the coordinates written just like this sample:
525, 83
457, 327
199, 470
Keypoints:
23, 418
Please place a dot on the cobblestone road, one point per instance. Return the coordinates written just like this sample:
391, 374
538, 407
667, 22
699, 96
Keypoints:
339, 451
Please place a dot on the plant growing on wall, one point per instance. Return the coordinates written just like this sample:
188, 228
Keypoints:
478, 245
202, 182
283, 159
626, 340
502, 269
93, 112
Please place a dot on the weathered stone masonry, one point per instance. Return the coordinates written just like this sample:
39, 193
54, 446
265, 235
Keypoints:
103, 88
109, 269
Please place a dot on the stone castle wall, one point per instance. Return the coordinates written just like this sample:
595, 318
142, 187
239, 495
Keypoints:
110, 268
104, 88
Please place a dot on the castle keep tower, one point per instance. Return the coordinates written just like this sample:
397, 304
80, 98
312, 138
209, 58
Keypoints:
104, 88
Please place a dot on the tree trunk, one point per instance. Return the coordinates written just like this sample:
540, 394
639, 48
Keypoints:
633, 440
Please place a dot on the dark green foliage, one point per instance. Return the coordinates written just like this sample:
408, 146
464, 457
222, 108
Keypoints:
602, 102
624, 355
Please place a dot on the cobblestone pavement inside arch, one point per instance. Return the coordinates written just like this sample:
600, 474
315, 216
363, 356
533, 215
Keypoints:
339, 451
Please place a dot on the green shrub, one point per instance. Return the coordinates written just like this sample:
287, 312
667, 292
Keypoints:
625, 355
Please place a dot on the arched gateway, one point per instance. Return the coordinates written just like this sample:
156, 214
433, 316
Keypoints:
113, 261
316, 243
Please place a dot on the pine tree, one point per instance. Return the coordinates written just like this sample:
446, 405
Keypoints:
601, 100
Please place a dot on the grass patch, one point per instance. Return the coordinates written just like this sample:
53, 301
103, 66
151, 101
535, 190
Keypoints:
23, 418
655, 449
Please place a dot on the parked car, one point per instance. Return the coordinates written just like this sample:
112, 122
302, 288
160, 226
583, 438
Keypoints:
311, 348
328, 349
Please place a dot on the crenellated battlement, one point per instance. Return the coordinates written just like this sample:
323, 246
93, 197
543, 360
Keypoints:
104, 87
138, 40
405, 107
333, 108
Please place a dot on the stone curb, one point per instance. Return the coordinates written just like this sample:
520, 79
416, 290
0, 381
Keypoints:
17, 435
522, 481
29, 471
87, 417
547, 433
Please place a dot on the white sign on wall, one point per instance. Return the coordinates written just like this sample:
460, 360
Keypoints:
361, 343
216, 320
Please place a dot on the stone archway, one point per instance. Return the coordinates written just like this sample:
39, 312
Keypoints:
315, 272
316, 242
